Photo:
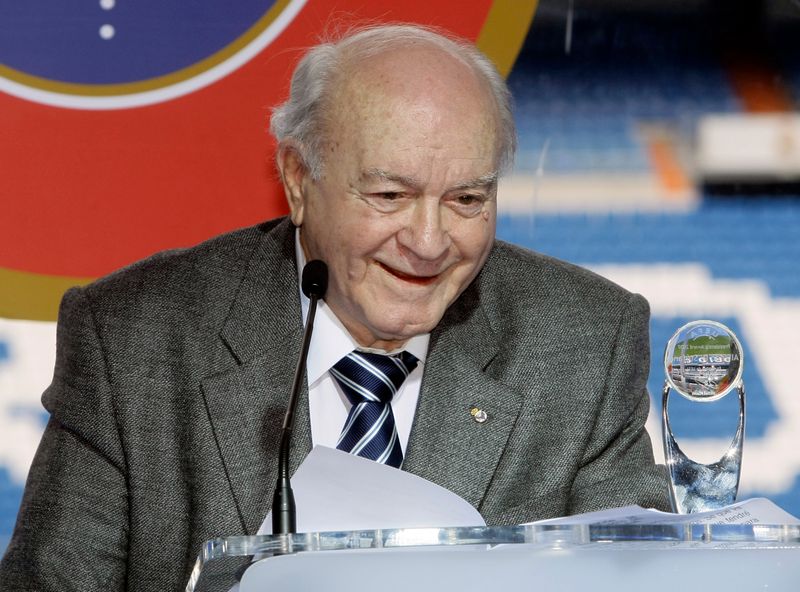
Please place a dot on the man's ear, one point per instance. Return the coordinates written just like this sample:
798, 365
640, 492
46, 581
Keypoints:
294, 173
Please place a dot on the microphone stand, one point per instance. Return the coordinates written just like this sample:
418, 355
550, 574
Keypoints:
284, 515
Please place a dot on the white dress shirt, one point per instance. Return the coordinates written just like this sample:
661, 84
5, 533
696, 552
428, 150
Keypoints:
330, 342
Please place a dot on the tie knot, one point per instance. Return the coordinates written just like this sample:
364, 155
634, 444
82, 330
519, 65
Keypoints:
366, 376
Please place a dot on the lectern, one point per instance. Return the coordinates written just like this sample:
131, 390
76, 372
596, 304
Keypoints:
538, 557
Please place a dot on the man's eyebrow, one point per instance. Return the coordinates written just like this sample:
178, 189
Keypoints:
487, 180
395, 178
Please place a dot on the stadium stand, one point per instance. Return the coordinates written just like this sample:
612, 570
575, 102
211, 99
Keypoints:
619, 74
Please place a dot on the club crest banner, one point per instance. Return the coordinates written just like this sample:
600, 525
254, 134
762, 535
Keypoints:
132, 127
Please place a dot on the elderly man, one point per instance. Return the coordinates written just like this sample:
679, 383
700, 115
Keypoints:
522, 378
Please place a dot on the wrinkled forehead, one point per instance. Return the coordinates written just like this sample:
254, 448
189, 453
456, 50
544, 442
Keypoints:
414, 93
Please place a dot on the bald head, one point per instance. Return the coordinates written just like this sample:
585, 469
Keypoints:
390, 69
411, 97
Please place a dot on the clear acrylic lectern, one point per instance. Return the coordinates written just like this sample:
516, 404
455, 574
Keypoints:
538, 557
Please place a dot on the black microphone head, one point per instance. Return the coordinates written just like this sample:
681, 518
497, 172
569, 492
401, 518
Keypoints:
315, 279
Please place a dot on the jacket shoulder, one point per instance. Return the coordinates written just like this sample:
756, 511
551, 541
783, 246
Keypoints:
510, 263
517, 285
178, 281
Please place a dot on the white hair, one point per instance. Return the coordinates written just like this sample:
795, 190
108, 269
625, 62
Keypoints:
302, 116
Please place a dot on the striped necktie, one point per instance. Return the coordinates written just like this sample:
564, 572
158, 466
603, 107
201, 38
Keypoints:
370, 381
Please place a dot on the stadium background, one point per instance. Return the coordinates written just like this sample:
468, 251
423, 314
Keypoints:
128, 129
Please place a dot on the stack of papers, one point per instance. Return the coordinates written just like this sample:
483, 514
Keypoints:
337, 491
757, 510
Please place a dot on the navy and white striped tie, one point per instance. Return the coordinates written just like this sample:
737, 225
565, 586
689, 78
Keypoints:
370, 381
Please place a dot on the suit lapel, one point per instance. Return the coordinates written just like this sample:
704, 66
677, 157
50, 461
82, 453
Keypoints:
447, 445
246, 404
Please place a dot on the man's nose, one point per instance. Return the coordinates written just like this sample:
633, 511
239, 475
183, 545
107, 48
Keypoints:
425, 234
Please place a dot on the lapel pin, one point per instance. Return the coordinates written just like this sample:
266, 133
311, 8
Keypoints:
479, 415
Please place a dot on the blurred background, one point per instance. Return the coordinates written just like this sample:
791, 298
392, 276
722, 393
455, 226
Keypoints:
659, 146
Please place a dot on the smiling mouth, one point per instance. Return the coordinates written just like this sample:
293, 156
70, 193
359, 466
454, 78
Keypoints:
413, 279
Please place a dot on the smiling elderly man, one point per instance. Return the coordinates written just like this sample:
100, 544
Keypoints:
515, 380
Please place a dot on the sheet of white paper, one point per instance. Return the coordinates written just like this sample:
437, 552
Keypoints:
334, 490
623, 515
757, 510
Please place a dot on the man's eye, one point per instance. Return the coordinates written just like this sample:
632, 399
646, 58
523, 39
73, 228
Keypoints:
468, 204
469, 199
386, 201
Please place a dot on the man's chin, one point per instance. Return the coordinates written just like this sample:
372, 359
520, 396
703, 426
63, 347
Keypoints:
403, 329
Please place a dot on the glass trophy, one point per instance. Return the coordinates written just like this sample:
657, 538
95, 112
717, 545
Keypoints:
703, 363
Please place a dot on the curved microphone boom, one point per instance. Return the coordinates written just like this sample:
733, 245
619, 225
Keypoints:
284, 517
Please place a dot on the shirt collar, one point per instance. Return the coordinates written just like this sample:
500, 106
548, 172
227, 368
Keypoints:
331, 341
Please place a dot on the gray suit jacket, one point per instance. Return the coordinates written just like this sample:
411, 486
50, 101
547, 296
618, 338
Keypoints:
172, 377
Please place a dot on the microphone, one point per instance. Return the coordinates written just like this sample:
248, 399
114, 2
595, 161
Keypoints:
315, 280
284, 516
